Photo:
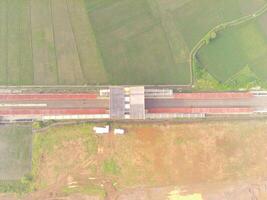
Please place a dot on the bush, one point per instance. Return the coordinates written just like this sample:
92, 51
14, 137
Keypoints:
110, 167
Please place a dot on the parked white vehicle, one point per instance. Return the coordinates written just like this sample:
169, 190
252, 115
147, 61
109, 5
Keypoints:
119, 131
101, 130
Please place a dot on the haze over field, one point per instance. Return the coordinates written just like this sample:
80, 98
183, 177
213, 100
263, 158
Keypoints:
44, 42
133, 99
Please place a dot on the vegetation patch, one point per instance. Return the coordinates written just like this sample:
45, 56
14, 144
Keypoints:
20, 187
110, 167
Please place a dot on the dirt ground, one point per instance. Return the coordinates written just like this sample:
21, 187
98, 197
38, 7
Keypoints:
152, 155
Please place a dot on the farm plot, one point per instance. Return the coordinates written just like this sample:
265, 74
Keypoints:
69, 67
44, 53
134, 45
19, 51
234, 49
46, 43
91, 63
149, 42
15, 150
195, 18
3, 42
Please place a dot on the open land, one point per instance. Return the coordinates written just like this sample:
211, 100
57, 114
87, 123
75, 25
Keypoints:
131, 42
71, 159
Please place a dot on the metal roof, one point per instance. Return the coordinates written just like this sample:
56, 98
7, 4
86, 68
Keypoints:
137, 103
117, 108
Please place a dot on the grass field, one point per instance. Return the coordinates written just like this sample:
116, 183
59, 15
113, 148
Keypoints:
15, 151
234, 49
48, 42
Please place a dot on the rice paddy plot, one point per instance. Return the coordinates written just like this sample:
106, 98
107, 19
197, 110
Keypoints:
97, 42
19, 51
195, 18
44, 52
15, 151
90, 60
69, 68
3, 41
234, 49
134, 44
126, 29
48, 43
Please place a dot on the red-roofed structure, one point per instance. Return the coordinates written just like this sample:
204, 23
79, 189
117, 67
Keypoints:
202, 110
217, 95
43, 111
47, 96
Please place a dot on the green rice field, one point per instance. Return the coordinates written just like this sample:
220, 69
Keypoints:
236, 48
44, 42
127, 42
15, 151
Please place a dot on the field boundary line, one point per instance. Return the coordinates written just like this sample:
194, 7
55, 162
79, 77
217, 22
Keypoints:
218, 28
30, 16
76, 44
20, 41
246, 66
54, 42
6, 42
236, 75
7, 49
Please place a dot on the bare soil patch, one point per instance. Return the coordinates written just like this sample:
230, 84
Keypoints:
151, 155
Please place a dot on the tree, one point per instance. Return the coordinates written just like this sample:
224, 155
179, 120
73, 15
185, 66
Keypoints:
213, 35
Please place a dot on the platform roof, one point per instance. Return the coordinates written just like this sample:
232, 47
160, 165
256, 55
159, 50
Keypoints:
137, 103
117, 104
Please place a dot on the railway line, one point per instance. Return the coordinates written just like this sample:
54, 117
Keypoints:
129, 103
